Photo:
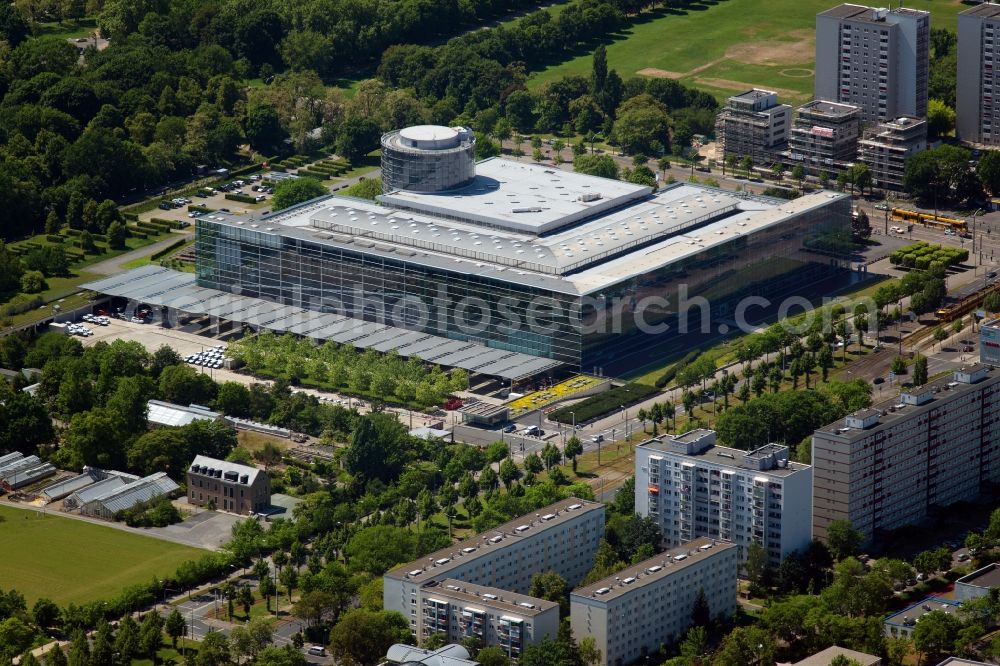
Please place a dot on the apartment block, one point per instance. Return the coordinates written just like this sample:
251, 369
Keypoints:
888, 466
887, 146
562, 537
228, 486
977, 118
494, 616
648, 604
824, 137
753, 124
876, 59
691, 488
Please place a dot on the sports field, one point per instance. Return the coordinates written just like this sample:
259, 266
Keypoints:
71, 560
728, 46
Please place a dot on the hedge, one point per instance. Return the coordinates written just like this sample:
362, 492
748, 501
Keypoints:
21, 303
195, 208
602, 403
160, 222
54, 238
242, 198
167, 250
671, 372
131, 217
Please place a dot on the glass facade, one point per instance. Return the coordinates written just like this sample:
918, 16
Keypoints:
616, 330
418, 170
456, 305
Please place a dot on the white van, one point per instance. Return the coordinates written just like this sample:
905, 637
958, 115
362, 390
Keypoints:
317, 650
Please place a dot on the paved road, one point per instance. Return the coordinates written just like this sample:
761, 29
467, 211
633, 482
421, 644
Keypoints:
115, 265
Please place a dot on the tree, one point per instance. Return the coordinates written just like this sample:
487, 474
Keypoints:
213, 650
551, 587
642, 125
701, 613
573, 448
362, 637
920, 371
935, 634
45, 613
492, 655
746, 645
799, 174
747, 164
175, 626
127, 639
756, 568
150, 635
940, 118
860, 226
596, 165
292, 191
988, 171
267, 590
843, 540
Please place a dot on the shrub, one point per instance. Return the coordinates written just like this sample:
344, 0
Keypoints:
21, 303
603, 403
242, 198
54, 238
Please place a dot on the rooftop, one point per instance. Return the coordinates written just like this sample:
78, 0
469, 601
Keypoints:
520, 197
727, 457
169, 414
959, 661
909, 616
988, 576
910, 403
128, 495
833, 109
652, 570
849, 12
505, 600
436, 566
985, 10
582, 254
449, 655
753, 95
227, 469
824, 657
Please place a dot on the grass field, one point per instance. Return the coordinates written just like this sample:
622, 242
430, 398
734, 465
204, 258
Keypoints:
727, 46
74, 561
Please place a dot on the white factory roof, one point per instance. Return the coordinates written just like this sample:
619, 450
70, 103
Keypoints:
169, 414
529, 198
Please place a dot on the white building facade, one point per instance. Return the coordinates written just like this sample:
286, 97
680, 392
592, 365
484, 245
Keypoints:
630, 615
562, 537
876, 59
977, 116
693, 488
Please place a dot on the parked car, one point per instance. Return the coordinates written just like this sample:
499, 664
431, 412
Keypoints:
510, 427
317, 650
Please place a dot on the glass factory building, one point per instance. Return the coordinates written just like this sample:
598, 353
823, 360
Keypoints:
598, 274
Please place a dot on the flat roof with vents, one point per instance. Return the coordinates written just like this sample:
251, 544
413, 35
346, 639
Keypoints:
514, 196
496, 598
652, 570
435, 566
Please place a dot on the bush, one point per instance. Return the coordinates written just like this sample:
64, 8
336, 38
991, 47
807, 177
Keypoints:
242, 198
167, 250
603, 403
671, 372
21, 303
158, 512
54, 238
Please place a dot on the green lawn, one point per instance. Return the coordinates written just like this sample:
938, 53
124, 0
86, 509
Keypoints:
739, 43
69, 560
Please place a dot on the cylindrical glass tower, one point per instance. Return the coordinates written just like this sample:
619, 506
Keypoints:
428, 158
